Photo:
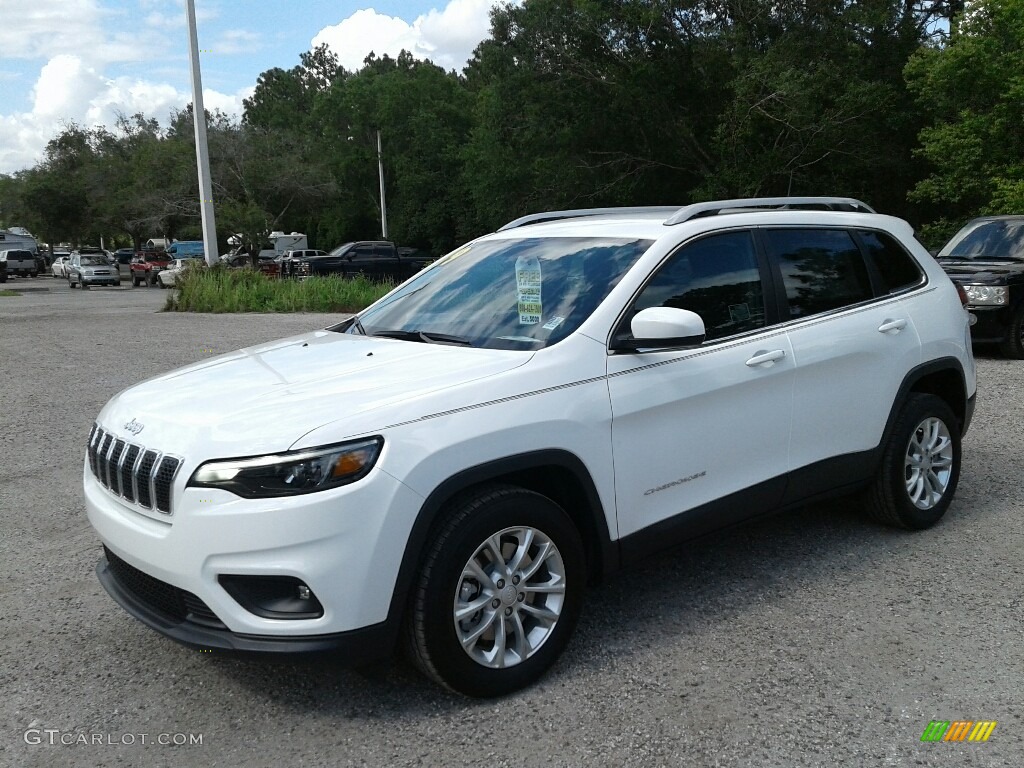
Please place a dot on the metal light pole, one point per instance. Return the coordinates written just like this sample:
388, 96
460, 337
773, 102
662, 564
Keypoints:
202, 149
383, 205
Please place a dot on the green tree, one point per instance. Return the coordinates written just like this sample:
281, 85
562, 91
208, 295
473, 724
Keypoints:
972, 88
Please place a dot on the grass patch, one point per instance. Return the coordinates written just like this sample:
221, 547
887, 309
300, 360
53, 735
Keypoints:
244, 290
8, 292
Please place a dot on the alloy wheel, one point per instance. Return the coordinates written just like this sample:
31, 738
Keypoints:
509, 597
929, 463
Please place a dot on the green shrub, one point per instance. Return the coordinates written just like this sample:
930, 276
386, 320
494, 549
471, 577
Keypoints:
221, 289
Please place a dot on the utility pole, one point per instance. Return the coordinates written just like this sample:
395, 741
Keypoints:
383, 205
202, 148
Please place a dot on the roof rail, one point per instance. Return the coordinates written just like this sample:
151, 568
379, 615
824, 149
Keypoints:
757, 204
538, 218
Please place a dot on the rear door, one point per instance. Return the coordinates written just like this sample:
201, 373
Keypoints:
853, 341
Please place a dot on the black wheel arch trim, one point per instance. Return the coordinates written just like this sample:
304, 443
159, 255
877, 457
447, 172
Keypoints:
602, 552
963, 410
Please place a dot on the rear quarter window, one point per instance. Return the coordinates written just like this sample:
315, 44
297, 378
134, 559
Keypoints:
894, 265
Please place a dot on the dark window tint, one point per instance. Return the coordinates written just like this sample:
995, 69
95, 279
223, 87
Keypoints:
716, 277
822, 269
363, 252
896, 267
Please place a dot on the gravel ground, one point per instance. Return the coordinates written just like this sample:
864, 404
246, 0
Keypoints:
813, 639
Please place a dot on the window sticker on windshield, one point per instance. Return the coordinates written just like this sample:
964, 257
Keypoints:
553, 323
528, 286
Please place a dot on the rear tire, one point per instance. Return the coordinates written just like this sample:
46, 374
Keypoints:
1013, 345
920, 465
499, 592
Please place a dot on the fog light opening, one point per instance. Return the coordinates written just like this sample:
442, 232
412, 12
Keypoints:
273, 597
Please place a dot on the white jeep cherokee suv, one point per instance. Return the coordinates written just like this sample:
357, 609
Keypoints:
533, 411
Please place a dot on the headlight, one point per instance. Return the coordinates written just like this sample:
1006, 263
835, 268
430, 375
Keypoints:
291, 473
987, 295
87, 272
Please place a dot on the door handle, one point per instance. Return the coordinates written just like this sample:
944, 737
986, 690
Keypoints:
762, 357
892, 325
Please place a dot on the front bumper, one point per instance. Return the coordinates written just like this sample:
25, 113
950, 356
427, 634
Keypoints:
992, 325
355, 646
346, 544
100, 280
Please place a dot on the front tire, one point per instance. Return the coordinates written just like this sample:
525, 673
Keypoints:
920, 465
1013, 345
499, 592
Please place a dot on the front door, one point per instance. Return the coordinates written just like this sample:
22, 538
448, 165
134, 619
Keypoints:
693, 426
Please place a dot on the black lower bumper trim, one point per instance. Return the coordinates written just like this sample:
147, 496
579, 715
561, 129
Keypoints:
355, 646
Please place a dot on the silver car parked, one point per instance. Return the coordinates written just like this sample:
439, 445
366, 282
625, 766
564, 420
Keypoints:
92, 268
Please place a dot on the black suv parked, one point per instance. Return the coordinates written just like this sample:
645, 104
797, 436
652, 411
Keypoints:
986, 257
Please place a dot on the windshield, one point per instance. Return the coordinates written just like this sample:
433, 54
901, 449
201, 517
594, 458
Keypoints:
986, 240
340, 249
95, 261
505, 294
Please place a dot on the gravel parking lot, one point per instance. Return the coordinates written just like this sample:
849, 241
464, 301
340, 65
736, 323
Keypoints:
816, 638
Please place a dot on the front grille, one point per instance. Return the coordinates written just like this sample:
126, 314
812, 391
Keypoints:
133, 472
160, 596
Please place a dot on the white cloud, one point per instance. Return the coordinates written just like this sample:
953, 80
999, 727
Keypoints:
446, 37
49, 25
236, 41
69, 90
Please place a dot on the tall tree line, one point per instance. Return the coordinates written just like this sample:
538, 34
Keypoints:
914, 107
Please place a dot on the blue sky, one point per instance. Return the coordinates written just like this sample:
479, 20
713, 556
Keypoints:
85, 61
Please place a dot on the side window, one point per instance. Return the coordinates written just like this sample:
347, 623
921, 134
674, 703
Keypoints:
896, 267
363, 252
718, 278
822, 269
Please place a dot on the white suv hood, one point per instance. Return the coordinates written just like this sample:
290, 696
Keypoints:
264, 398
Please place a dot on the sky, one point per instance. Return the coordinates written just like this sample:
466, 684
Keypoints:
86, 61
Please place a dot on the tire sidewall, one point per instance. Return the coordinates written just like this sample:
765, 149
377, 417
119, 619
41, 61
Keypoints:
436, 601
1013, 344
918, 408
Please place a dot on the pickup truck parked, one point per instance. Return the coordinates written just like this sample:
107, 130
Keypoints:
376, 259
147, 265
20, 262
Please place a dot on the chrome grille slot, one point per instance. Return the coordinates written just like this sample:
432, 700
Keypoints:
114, 470
162, 483
131, 457
145, 479
139, 475
103, 472
94, 437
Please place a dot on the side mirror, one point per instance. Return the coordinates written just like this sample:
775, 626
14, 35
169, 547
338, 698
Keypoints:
664, 328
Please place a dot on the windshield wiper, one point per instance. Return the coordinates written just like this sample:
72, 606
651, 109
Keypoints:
425, 336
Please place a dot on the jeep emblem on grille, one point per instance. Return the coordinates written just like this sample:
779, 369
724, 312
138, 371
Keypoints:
134, 427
